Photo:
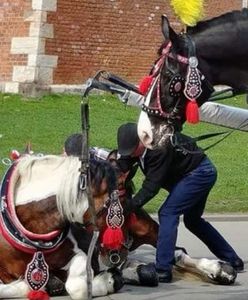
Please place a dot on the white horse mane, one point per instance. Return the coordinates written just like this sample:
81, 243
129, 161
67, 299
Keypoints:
48, 175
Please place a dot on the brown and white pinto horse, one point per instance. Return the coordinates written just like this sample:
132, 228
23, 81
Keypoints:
39, 198
214, 52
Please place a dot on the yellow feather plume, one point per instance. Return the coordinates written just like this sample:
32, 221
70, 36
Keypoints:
188, 11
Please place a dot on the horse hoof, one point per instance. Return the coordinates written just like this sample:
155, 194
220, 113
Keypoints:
226, 274
117, 277
147, 275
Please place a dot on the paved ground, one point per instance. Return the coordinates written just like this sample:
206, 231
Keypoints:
234, 228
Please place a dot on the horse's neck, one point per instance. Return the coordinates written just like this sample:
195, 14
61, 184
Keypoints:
32, 194
223, 56
40, 216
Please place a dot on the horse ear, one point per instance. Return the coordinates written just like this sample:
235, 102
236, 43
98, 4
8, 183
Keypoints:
28, 149
168, 32
113, 155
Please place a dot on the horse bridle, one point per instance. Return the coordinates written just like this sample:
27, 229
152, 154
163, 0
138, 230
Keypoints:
98, 213
192, 82
157, 110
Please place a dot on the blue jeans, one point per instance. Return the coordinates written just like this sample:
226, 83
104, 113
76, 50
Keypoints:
188, 198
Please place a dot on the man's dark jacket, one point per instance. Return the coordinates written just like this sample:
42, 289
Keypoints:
163, 167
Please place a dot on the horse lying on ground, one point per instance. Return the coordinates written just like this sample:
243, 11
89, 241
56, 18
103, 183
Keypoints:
39, 197
211, 53
140, 228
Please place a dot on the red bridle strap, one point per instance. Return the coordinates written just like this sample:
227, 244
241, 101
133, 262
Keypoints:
155, 82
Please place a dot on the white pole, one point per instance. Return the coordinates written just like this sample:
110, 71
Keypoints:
244, 3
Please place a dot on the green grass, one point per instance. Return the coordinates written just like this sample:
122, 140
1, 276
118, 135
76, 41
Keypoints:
46, 123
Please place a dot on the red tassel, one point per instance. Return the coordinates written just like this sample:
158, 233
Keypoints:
14, 154
192, 112
112, 238
145, 84
38, 295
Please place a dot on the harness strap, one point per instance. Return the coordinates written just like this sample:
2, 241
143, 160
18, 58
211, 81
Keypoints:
85, 186
119, 81
13, 233
227, 133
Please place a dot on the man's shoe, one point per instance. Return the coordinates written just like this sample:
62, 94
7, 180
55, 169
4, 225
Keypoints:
238, 265
164, 276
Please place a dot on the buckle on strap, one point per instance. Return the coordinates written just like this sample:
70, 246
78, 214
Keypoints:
83, 181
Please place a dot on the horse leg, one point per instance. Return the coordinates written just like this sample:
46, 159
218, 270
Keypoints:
215, 270
107, 282
76, 283
15, 289
137, 273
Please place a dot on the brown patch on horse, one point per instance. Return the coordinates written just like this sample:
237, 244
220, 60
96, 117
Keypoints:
40, 216
144, 230
13, 262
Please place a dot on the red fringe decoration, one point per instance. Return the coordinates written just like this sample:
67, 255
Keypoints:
112, 238
145, 84
192, 112
38, 295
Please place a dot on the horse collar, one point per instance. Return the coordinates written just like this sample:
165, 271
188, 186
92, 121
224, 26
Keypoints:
13, 234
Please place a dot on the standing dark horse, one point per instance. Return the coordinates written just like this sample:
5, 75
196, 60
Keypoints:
189, 65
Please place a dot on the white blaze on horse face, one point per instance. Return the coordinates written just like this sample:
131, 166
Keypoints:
145, 130
144, 124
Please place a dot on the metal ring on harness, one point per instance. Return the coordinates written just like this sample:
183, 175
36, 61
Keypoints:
7, 161
114, 257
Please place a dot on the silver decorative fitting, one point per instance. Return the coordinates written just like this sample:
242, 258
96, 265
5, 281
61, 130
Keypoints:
193, 62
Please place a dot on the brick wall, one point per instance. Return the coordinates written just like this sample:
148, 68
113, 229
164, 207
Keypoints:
119, 36
82, 36
11, 24
214, 7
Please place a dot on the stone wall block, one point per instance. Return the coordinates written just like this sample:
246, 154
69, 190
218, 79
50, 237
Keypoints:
45, 75
42, 30
12, 87
38, 16
50, 61
47, 5
27, 45
24, 74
